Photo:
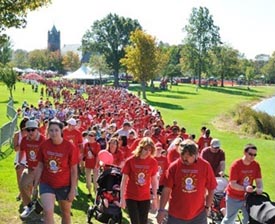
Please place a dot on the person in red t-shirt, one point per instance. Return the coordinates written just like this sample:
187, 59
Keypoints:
173, 150
243, 173
91, 150
57, 173
113, 148
29, 146
138, 174
204, 141
189, 186
215, 156
162, 167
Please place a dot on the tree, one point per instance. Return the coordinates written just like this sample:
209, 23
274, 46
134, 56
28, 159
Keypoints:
172, 66
109, 37
39, 59
9, 77
14, 13
269, 69
20, 59
141, 58
71, 61
5, 51
202, 36
54, 60
98, 62
225, 63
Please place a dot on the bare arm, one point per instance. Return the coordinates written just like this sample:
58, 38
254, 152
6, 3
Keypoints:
154, 183
74, 178
165, 195
222, 168
209, 198
38, 172
259, 186
16, 142
123, 183
235, 186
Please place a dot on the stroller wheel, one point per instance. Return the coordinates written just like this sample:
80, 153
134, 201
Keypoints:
90, 214
111, 221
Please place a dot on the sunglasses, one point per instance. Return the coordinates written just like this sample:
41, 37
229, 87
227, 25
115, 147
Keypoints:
31, 129
252, 154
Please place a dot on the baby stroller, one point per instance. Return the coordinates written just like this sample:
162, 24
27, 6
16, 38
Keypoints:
106, 206
260, 208
218, 204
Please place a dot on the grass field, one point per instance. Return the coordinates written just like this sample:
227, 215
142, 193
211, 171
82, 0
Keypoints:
192, 109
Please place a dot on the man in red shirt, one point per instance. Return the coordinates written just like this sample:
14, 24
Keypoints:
29, 146
243, 173
215, 156
189, 186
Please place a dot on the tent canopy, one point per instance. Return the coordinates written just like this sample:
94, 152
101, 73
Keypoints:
84, 73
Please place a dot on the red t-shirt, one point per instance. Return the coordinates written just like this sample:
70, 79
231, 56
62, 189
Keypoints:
74, 136
244, 175
118, 157
140, 172
162, 167
57, 161
188, 184
31, 148
203, 142
91, 150
172, 155
214, 159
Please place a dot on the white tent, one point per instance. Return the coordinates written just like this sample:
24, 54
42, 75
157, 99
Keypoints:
84, 73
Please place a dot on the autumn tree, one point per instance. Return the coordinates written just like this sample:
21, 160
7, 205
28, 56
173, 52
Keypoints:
109, 37
202, 36
98, 64
141, 58
14, 13
71, 61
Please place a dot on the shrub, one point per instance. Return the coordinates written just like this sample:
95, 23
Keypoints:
259, 124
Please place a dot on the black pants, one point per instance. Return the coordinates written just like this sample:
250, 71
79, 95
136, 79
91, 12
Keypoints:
138, 211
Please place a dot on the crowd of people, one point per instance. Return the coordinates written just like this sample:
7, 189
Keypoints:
160, 163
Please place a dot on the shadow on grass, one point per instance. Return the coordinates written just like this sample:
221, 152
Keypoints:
164, 105
243, 91
171, 96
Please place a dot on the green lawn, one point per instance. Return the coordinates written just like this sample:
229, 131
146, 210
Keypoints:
192, 109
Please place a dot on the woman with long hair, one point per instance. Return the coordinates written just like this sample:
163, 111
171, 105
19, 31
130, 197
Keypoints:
139, 173
57, 173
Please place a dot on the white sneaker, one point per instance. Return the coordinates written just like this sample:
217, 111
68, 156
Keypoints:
28, 210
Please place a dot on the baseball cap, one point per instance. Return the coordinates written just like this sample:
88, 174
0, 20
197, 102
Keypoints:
31, 124
71, 121
215, 143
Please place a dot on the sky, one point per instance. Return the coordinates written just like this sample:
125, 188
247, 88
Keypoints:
245, 25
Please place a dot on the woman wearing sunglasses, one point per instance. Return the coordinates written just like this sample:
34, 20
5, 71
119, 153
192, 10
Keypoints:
243, 173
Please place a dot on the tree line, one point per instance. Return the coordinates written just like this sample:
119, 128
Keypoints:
118, 45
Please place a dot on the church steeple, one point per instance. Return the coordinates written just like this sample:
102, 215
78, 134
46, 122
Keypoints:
54, 39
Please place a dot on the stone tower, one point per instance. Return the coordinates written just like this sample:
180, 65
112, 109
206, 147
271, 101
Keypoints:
54, 39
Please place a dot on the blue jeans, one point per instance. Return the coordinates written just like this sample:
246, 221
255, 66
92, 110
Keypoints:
232, 208
199, 219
